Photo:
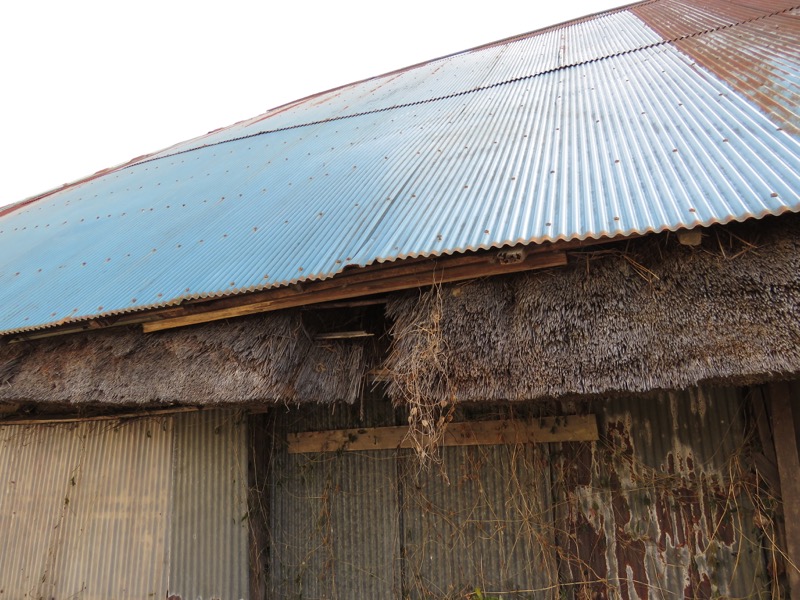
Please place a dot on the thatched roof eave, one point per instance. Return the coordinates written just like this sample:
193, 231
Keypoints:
257, 360
652, 315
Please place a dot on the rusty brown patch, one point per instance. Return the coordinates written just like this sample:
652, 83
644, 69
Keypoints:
731, 40
699, 586
581, 547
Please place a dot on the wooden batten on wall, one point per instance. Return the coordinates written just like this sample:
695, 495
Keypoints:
573, 428
788, 458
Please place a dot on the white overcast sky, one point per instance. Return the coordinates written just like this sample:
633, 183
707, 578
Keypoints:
89, 84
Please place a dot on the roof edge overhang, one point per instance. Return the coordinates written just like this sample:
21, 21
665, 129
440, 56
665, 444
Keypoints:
352, 283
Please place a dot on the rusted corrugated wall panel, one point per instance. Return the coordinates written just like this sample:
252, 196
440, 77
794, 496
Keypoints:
83, 509
482, 521
209, 525
334, 518
657, 508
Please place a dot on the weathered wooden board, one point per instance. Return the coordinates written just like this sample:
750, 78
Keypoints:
788, 467
360, 284
572, 428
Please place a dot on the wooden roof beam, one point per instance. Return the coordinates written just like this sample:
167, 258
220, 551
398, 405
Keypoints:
359, 284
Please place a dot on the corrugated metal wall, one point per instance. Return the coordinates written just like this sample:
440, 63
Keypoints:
656, 509
99, 509
335, 527
482, 522
334, 519
84, 509
372, 525
659, 508
209, 529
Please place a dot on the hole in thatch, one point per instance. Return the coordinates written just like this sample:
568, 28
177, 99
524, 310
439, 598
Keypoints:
343, 322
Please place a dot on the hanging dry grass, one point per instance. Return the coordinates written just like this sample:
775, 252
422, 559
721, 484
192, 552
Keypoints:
421, 372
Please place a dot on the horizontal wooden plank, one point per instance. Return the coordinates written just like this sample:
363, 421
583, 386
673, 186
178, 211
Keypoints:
289, 298
572, 428
343, 335
143, 414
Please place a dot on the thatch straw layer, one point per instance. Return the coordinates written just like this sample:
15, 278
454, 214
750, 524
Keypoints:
265, 358
652, 314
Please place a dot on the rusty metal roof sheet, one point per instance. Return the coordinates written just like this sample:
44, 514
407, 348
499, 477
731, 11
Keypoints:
596, 128
757, 52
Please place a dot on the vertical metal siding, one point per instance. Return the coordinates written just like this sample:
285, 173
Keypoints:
651, 510
125, 509
209, 526
31, 505
334, 526
121, 494
334, 518
481, 522
369, 525
84, 509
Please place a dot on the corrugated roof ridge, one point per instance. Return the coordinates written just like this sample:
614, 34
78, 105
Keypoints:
479, 88
507, 40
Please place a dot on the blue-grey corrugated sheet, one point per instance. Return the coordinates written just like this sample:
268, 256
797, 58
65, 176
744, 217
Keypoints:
594, 129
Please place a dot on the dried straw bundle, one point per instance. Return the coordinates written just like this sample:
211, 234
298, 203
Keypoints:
650, 315
245, 361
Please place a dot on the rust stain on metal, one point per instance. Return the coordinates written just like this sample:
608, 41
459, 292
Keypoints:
674, 19
746, 46
581, 534
647, 513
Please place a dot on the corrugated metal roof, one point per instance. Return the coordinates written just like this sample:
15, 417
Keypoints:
551, 136
758, 58
528, 56
674, 19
